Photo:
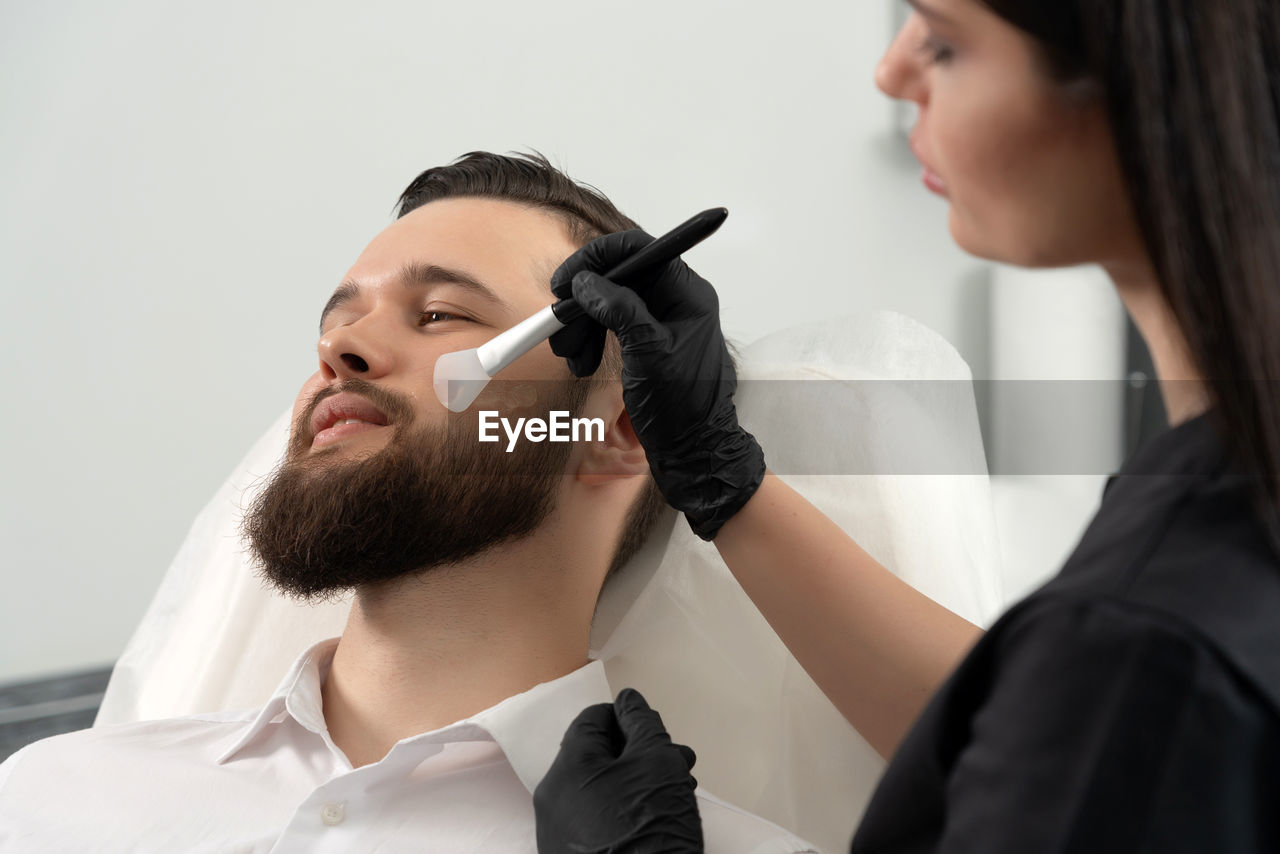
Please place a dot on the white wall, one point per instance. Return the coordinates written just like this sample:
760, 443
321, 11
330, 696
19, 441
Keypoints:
181, 186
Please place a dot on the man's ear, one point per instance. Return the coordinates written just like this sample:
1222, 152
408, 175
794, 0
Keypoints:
620, 454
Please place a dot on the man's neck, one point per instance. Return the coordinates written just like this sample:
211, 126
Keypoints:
421, 653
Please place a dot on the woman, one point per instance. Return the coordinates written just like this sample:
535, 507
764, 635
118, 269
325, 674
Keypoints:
1133, 703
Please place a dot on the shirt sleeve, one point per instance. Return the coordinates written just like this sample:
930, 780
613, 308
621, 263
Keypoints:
1111, 729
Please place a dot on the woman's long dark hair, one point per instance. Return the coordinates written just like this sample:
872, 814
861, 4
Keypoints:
1192, 90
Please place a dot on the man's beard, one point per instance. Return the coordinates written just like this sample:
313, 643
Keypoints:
433, 496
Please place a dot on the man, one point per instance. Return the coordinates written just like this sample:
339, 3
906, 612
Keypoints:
429, 723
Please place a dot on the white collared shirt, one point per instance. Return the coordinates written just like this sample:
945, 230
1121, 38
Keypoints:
272, 780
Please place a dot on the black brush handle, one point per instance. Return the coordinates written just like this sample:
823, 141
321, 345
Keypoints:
669, 246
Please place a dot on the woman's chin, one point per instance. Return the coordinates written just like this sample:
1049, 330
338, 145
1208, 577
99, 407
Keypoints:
1004, 247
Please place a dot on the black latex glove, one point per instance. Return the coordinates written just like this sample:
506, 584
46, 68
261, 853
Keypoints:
677, 376
619, 786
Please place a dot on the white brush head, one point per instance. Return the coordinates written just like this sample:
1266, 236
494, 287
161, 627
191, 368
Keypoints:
459, 378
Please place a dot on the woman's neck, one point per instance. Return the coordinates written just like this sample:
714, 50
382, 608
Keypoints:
1182, 385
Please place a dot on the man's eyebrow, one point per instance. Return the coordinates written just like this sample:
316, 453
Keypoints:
418, 275
345, 293
930, 12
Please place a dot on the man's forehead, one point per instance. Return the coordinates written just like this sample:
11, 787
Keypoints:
510, 247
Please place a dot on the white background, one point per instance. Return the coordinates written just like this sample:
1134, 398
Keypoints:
182, 185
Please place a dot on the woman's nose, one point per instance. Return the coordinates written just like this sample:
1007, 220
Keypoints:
355, 350
898, 74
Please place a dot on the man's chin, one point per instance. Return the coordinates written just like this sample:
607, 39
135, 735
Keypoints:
319, 590
383, 504
306, 595
325, 458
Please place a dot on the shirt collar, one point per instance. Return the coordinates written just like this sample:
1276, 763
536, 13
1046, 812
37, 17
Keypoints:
298, 694
527, 726
1190, 447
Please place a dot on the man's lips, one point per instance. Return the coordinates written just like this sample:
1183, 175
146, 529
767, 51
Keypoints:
342, 415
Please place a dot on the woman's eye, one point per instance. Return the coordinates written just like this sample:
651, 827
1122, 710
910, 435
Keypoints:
425, 318
937, 53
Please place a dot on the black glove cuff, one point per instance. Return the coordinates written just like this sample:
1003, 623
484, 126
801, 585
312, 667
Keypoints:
709, 487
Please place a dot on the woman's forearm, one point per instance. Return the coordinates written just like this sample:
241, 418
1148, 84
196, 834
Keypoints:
876, 646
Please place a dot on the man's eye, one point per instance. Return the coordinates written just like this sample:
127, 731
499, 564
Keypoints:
425, 318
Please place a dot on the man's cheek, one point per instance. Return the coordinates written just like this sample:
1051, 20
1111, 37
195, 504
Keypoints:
510, 395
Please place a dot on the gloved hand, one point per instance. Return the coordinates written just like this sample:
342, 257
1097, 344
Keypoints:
618, 786
678, 379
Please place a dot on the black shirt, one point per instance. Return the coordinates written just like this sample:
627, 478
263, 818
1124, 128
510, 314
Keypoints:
1132, 704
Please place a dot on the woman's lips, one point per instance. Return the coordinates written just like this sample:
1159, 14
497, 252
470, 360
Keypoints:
932, 180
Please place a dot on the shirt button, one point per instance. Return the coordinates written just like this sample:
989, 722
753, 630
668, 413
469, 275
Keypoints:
331, 814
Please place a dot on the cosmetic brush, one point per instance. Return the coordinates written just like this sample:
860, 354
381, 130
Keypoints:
461, 376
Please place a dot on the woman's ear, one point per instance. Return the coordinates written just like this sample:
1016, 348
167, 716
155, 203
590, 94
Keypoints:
620, 453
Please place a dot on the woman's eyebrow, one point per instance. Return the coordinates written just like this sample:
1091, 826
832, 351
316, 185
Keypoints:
416, 275
930, 12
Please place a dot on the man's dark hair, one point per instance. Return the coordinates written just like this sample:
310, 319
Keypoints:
525, 179
530, 179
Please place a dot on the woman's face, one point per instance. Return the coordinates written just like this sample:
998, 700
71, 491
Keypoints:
1029, 170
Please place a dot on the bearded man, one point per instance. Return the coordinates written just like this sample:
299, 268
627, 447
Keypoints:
428, 724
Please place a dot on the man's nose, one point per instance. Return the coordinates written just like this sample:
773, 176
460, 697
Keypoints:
899, 72
355, 350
